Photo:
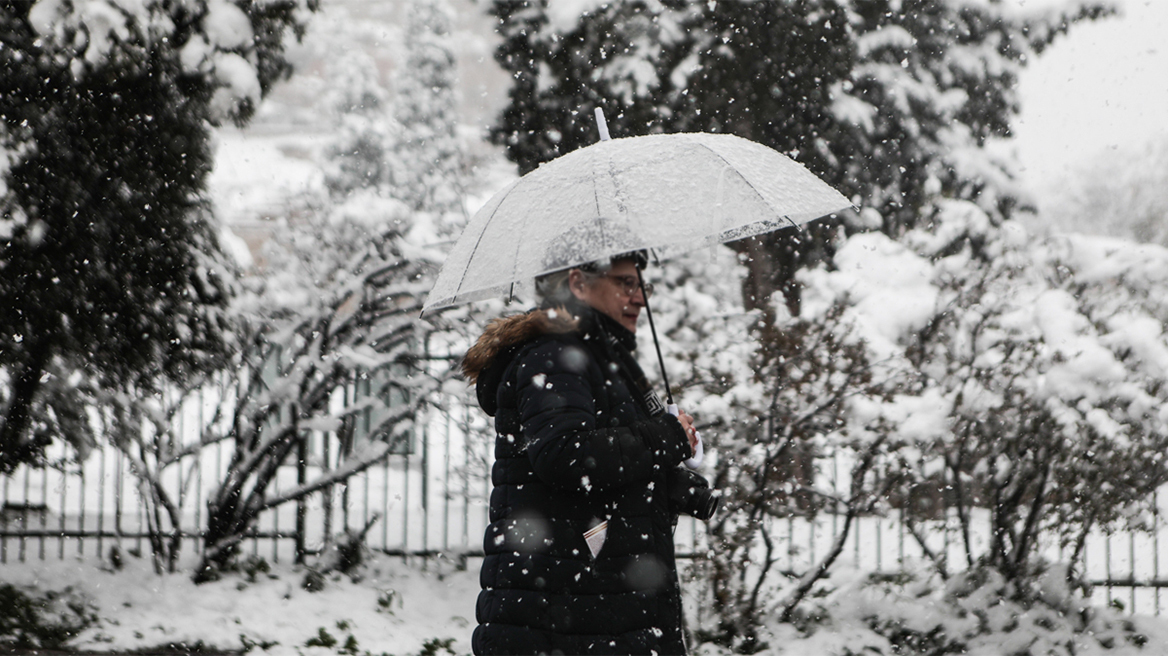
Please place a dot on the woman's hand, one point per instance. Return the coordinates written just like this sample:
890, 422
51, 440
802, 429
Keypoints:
687, 423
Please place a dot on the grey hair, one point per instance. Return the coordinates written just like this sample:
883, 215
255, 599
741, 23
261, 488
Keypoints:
552, 288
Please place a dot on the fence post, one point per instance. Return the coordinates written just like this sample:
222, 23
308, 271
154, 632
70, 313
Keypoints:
301, 503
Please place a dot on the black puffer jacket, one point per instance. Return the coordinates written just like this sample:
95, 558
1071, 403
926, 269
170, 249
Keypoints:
576, 445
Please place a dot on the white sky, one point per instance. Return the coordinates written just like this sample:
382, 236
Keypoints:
1103, 86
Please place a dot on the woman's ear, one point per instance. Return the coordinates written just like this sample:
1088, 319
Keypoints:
577, 283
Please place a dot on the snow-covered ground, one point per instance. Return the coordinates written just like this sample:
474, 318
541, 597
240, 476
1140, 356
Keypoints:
394, 608
427, 606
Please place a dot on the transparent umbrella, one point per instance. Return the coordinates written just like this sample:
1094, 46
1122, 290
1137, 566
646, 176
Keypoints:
670, 193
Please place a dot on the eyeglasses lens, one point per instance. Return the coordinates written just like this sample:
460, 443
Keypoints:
630, 285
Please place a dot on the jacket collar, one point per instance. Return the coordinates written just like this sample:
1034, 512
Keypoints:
486, 361
594, 323
507, 333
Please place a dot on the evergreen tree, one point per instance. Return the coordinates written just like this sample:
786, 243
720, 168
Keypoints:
403, 145
890, 101
107, 255
359, 158
428, 157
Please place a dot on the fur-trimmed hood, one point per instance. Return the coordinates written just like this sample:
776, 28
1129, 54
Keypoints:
506, 333
487, 360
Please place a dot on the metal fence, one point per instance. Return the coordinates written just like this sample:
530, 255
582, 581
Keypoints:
427, 497
430, 499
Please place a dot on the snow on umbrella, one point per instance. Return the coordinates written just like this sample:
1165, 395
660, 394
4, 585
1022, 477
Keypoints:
667, 192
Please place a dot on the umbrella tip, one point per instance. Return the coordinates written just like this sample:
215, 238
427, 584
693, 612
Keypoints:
601, 124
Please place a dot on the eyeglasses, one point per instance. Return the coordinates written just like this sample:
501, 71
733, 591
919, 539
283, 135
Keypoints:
630, 285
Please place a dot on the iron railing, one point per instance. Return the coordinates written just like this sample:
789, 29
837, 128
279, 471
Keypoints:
431, 500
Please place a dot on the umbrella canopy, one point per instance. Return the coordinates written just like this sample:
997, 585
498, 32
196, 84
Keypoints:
668, 192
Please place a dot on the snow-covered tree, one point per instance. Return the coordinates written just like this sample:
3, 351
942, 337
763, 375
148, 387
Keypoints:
360, 155
403, 144
774, 470
342, 301
888, 100
143, 424
1038, 379
311, 338
109, 268
1120, 193
427, 164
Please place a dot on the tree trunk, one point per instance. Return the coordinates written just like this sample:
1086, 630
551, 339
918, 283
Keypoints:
224, 533
773, 259
14, 448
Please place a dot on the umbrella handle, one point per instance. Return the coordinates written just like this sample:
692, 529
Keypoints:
601, 124
656, 344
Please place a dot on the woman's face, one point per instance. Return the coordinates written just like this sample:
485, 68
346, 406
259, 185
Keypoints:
615, 293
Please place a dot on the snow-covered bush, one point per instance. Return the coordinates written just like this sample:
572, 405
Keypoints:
1034, 380
1046, 364
357, 316
32, 620
772, 397
968, 374
977, 613
810, 374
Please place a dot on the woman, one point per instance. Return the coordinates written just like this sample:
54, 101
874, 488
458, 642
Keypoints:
582, 447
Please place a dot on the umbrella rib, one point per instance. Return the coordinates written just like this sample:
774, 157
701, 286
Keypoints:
595, 195
486, 224
515, 265
596, 200
748, 183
